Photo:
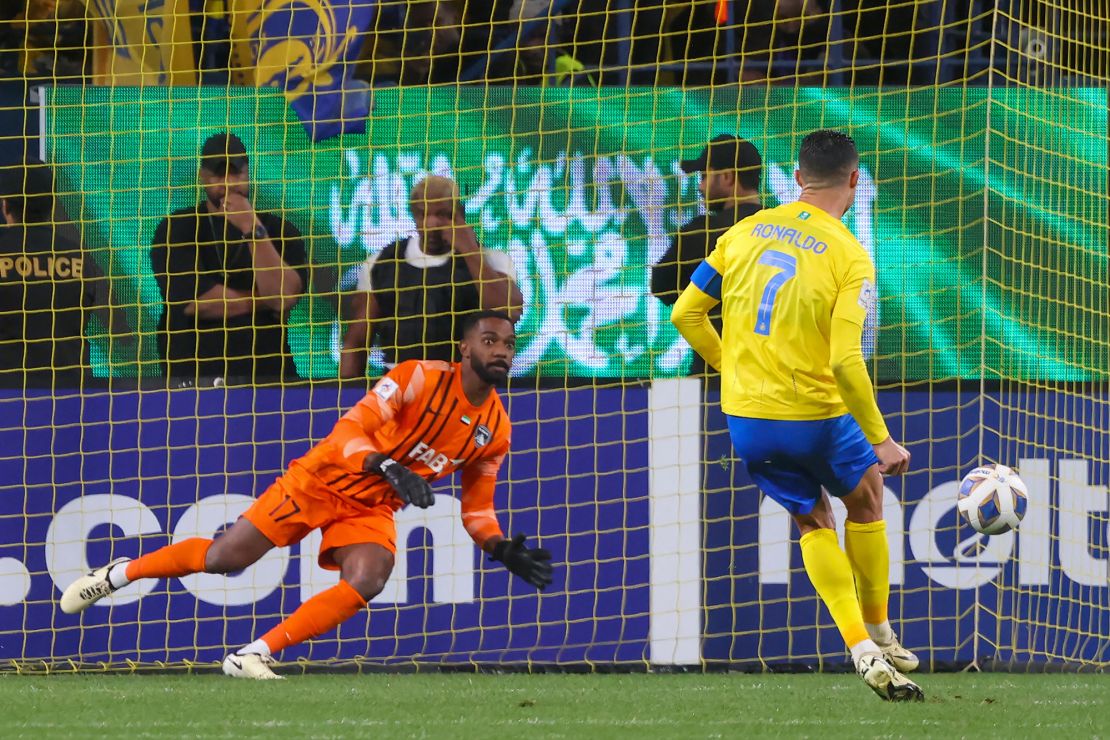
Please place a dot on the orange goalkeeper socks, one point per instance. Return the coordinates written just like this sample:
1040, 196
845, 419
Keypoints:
322, 613
178, 559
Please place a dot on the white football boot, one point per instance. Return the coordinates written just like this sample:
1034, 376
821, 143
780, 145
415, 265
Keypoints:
89, 588
250, 665
886, 681
898, 656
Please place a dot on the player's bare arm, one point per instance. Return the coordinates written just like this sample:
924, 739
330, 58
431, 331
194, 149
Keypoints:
497, 291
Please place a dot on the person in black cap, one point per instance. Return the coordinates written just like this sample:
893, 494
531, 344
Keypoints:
229, 276
47, 286
730, 170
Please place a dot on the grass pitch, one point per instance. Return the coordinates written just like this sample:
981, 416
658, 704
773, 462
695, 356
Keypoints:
550, 706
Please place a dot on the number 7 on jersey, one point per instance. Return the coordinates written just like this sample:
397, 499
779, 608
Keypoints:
788, 264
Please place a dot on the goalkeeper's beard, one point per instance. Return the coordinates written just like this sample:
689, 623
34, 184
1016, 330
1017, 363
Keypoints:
483, 372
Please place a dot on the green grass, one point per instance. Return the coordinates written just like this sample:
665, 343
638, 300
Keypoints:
555, 706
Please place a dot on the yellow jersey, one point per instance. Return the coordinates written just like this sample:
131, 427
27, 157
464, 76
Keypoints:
785, 273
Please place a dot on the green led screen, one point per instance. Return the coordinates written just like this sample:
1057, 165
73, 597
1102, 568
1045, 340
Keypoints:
985, 212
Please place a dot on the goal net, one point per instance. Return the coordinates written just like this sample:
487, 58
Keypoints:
983, 198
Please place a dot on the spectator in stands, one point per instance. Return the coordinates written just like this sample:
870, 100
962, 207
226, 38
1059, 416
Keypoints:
11, 39
417, 42
44, 39
485, 25
229, 276
431, 43
762, 31
545, 55
45, 285
894, 35
730, 170
791, 30
412, 296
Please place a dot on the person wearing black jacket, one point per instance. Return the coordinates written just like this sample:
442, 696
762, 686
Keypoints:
49, 286
730, 170
229, 275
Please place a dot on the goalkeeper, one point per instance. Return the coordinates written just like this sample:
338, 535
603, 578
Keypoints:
423, 421
795, 287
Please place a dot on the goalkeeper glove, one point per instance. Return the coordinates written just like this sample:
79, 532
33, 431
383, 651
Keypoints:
409, 487
530, 563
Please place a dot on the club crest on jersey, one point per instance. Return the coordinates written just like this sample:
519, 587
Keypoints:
482, 435
866, 295
385, 388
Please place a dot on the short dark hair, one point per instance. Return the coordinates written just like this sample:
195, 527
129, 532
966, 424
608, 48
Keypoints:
828, 154
472, 319
28, 189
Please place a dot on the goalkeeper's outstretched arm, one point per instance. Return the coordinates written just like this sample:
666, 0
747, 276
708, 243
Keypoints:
531, 564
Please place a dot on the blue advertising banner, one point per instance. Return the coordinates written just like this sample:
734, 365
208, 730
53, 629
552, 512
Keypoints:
1035, 595
654, 565
105, 476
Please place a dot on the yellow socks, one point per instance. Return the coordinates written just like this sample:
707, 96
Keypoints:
868, 552
831, 574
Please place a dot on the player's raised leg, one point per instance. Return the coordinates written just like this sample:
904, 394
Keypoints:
363, 570
242, 545
830, 572
865, 542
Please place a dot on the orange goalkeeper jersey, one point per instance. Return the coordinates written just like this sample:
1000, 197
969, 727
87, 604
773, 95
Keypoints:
418, 415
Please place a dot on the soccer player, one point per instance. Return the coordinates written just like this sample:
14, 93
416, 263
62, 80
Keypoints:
423, 421
795, 287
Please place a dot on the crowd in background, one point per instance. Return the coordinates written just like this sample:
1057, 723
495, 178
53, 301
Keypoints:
537, 42
229, 275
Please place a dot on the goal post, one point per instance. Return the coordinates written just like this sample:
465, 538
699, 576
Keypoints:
982, 201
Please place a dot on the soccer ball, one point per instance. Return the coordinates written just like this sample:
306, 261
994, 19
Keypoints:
993, 499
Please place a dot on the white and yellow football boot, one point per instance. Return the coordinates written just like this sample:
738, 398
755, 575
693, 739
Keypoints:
89, 588
886, 681
898, 656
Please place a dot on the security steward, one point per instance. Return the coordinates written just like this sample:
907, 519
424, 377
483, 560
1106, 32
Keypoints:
43, 285
730, 170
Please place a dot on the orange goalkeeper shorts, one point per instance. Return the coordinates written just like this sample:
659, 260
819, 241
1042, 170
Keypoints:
297, 503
